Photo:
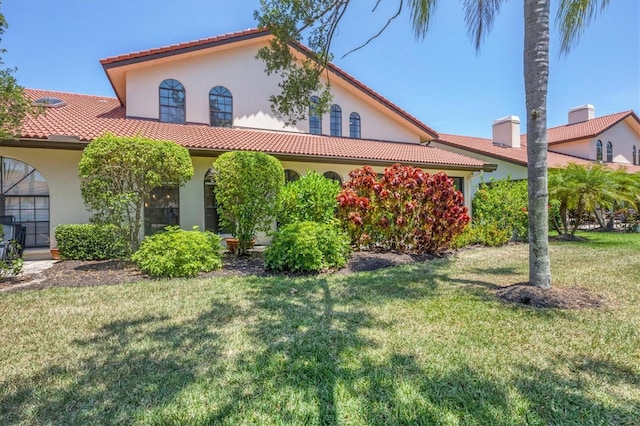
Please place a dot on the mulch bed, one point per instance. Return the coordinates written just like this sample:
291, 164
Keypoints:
77, 273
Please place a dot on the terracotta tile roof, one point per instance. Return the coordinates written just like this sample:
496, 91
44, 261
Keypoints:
586, 129
515, 155
86, 117
176, 49
186, 46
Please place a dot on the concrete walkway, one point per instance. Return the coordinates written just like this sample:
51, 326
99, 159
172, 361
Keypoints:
32, 267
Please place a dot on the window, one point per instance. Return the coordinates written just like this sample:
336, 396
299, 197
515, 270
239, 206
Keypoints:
220, 107
172, 102
49, 102
458, 184
161, 208
336, 120
211, 218
291, 175
24, 194
609, 152
354, 125
333, 176
635, 156
315, 120
598, 151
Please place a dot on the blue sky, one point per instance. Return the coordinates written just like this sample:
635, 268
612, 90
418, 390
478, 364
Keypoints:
57, 45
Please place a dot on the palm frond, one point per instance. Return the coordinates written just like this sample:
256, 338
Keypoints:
421, 13
479, 16
573, 17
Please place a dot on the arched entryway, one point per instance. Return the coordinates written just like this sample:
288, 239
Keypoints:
24, 194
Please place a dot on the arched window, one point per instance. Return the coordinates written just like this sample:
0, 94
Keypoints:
211, 218
609, 152
315, 120
598, 150
336, 120
333, 176
220, 107
172, 108
635, 156
24, 200
291, 175
354, 125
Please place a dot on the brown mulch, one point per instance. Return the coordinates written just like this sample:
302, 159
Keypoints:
77, 273
561, 298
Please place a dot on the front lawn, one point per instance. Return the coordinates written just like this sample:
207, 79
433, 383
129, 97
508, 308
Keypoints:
414, 344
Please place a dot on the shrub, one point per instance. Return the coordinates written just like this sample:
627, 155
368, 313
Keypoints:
11, 265
247, 185
406, 209
488, 235
503, 204
91, 242
307, 247
179, 253
310, 198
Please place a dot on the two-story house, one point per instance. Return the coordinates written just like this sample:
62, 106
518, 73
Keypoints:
210, 96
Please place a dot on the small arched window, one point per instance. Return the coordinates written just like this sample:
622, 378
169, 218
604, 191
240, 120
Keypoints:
220, 107
333, 176
598, 150
172, 102
315, 120
609, 152
291, 175
354, 125
336, 120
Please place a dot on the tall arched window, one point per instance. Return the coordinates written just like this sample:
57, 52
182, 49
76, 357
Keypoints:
635, 156
220, 107
354, 125
24, 199
315, 120
336, 120
598, 150
291, 175
333, 175
211, 218
172, 102
609, 152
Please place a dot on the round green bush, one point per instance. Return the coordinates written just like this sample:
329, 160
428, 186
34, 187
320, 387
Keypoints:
179, 253
310, 198
307, 247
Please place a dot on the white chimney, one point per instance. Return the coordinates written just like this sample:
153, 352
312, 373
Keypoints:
581, 113
506, 131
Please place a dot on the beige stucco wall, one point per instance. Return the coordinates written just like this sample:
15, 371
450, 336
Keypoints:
239, 71
622, 137
60, 170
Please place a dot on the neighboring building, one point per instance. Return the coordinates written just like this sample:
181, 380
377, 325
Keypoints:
612, 139
210, 96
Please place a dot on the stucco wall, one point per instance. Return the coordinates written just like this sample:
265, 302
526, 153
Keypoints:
239, 71
622, 137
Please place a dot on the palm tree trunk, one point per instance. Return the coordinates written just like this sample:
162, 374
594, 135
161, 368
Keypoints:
536, 75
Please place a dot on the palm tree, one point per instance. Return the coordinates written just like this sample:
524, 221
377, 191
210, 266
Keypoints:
288, 19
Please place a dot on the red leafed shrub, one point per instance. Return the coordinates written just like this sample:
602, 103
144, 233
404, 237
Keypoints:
405, 210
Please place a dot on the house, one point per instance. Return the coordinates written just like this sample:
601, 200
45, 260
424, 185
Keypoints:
210, 96
611, 139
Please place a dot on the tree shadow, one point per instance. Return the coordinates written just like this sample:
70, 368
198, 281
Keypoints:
130, 366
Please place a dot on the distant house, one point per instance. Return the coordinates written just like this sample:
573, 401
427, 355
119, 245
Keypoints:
612, 139
211, 96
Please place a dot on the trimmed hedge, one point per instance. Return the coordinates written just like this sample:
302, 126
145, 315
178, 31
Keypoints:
91, 242
310, 198
307, 247
179, 253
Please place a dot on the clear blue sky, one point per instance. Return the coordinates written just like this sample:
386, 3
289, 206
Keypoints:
57, 45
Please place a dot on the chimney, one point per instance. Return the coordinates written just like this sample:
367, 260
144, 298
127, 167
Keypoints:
506, 131
581, 113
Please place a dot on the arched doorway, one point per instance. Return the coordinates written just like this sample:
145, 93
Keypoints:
24, 195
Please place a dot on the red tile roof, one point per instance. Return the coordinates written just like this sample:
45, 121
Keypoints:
176, 49
86, 117
586, 129
518, 156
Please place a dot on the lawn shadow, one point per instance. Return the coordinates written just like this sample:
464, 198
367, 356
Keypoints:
131, 366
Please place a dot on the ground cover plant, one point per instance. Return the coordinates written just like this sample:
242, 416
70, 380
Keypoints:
424, 343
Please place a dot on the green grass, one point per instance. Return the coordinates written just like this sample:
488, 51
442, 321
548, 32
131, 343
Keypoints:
417, 344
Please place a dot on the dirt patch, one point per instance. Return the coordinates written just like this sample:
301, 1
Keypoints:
572, 298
